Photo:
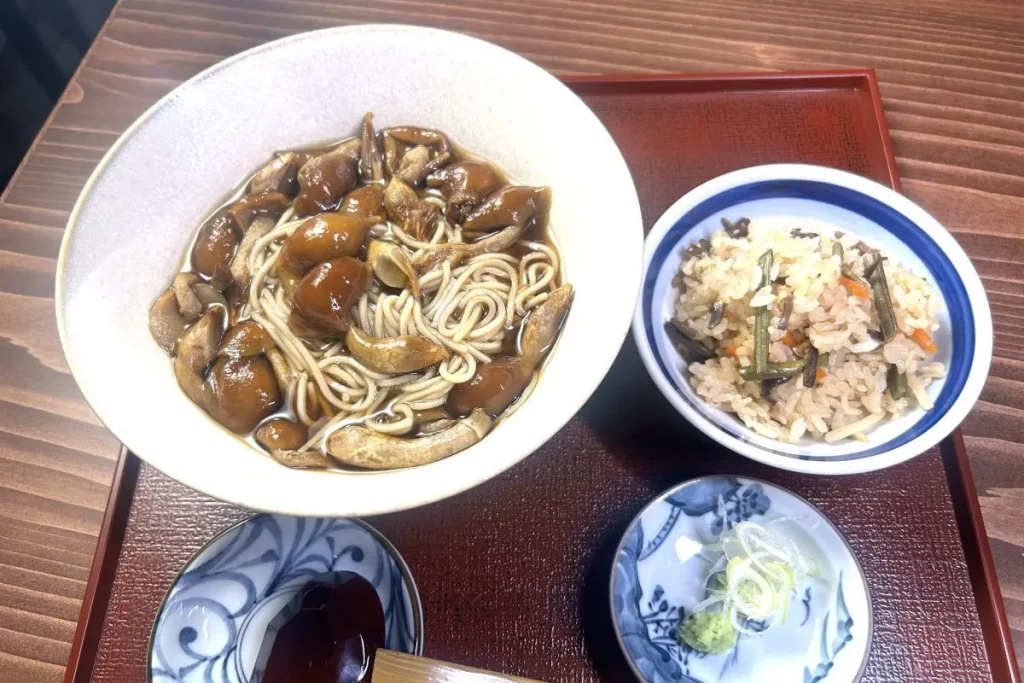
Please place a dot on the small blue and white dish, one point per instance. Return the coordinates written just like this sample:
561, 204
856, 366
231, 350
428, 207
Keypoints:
883, 218
659, 573
213, 621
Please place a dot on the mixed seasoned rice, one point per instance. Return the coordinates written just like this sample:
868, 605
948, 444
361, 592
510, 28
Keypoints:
835, 365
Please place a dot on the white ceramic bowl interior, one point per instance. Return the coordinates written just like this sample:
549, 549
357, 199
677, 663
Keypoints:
812, 196
138, 212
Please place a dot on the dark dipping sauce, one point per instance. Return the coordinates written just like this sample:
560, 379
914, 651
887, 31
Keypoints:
328, 633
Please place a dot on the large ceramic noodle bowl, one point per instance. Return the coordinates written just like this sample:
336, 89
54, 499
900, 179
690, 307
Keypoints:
351, 272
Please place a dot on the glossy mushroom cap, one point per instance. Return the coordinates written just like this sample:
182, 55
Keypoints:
325, 296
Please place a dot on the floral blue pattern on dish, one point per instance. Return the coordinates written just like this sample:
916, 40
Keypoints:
216, 614
658, 578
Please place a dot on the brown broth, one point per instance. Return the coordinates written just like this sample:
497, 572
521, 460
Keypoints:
535, 231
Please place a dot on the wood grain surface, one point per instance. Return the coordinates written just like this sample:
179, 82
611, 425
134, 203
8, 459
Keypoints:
398, 667
952, 81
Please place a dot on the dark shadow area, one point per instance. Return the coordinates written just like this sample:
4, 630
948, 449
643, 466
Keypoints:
630, 416
598, 632
627, 407
41, 45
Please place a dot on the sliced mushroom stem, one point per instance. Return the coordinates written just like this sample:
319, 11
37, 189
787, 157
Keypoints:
436, 426
392, 154
509, 210
197, 348
371, 167
282, 370
394, 355
208, 295
302, 460
278, 175
361, 446
188, 303
240, 261
165, 321
542, 326
499, 241
251, 206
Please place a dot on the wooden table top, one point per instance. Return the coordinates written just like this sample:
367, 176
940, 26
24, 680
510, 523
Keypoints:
952, 82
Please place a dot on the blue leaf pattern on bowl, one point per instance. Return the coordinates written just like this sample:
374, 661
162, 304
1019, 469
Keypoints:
724, 494
647, 620
842, 636
216, 614
654, 660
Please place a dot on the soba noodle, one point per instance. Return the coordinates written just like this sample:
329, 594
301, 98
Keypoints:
366, 308
469, 310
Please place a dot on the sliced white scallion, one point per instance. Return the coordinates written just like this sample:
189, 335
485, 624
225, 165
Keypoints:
748, 590
750, 584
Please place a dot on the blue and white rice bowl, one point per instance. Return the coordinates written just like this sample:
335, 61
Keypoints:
883, 219
212, 623
659, 574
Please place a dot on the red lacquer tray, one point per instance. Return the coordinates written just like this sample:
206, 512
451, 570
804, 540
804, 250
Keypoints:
514, 574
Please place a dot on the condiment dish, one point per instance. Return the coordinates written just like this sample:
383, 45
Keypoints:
212, 623
662, 564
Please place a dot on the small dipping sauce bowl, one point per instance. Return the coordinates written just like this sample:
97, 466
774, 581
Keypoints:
214, 619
